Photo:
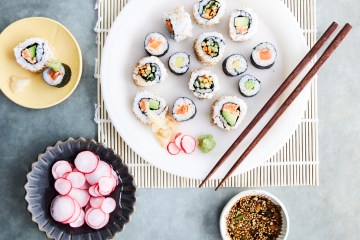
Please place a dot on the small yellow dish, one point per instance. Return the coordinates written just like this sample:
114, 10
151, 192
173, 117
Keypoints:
38, 94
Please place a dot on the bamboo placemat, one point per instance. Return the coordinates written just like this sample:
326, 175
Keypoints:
296, 163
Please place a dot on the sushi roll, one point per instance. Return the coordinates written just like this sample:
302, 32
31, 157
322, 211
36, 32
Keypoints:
156, 44
33, 54
209, 12
243, 24
249, 86
228, 112
147, 101
235, 65
178, 22
184, 109
57, 74
209, 48
149, 71
203, 84
179, 63
263, 55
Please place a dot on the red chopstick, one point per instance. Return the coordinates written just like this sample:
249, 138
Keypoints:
324, 57
304, 62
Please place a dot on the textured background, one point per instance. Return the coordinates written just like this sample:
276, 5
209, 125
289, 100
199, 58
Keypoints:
330, 211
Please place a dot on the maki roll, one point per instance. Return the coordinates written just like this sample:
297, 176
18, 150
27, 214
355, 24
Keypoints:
149, 71
235, 65
203, 84
57, 74
263, 56
209, 12
33, 54
228, 112
243, 24
179, 63
249, 86
178, 22
156, 44
184, 109
147, 101
209, 48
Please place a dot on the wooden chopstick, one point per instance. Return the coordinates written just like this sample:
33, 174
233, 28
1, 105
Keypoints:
304, 62
304, 82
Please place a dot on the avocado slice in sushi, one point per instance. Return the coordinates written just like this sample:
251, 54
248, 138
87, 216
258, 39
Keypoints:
242, 25
154, 105
32, 51
230, 118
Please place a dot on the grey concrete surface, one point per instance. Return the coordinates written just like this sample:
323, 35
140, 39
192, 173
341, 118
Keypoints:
330, 211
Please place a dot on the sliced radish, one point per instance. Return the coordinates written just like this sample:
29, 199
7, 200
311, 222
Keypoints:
86, 162
81, 196
77, 179
103, 170
62, 186
96, 202
86, 186
188, 144
79, 221
56, 164
92, 191
76, 213
94, 217
62, 169
108, 205
173, 149
97, 192
178, 139
106, 221
106, 184
62, 208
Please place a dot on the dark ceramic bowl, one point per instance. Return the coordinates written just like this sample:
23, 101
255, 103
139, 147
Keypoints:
40, 191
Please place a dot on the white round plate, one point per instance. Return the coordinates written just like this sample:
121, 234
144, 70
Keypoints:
125, 47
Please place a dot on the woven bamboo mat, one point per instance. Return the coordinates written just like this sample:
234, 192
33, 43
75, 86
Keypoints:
296, 163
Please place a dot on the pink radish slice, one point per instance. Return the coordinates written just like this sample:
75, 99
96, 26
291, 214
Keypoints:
86, 186
62, 169
79, 221
81, 196
76, 213
62, 186
178, 134
178, 140
97, 192
96, 202
92, 191
56, 164
94, 217
106, 221
106, 184
103, 170
86, 162
77, 179
173, 149
188, 144
62, 208
108, 205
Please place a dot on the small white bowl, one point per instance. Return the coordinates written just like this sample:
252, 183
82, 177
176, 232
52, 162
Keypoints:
284, 215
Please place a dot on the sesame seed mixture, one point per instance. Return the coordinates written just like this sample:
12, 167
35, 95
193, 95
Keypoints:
254, 217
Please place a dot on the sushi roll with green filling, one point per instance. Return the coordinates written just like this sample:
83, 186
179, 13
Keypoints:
33, 54
204, 84
249, 86
149, 71
184, 109
209, 12
156, 44
228, 112
209, 48
178, 23
179, 63
147, 101
263, 55
235, 65
57, 74
243, 24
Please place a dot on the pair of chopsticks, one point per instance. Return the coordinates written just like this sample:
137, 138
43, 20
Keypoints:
293, 75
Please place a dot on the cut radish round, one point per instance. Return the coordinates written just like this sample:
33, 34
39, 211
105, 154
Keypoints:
173, 149
86, 162
79, 221
81, 196
106, 221
96, 202
97, 192
188, 144
60, 168
103, 170
76, 213
77, 179
62, 208
94, 217
108, 205
62, 186
178, 140
92, 191
106, 184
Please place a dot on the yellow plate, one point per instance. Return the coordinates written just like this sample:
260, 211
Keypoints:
38, 94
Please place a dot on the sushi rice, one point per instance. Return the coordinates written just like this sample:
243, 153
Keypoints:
184, 109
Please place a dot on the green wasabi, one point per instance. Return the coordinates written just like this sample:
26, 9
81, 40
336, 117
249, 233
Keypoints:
206, 143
